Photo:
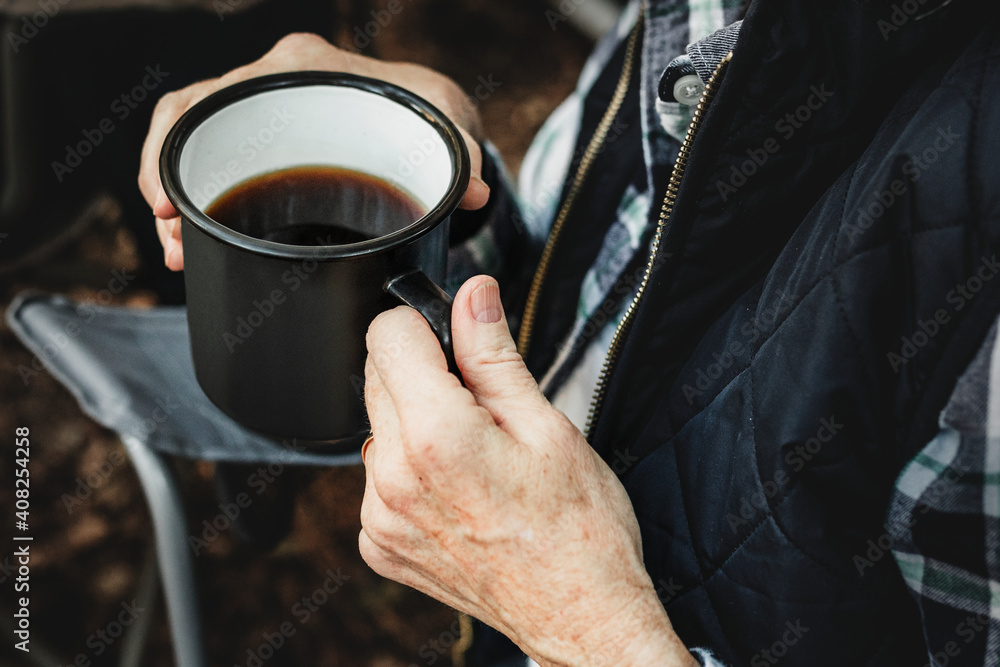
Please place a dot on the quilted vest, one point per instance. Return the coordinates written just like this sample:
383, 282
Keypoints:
829, 269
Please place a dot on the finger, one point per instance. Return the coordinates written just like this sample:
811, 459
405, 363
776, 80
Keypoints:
385, 456
391, 530
169, 233
168, 110
162, 208
387, 470
435, 412
173, 252
386, 526
170, 107
382, 417
163, 233
476, 196
411, 365
487, 357
478, 192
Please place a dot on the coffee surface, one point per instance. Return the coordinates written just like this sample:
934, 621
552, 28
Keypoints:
315, 206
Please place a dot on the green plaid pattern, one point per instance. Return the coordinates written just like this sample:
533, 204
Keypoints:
944, 521
670, 25
944, 517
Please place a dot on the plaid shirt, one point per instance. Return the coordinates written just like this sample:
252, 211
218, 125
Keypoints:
943, 522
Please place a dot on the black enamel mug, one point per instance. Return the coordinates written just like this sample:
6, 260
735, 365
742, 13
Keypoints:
278, 328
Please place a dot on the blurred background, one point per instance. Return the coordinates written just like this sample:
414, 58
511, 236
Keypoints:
88, 72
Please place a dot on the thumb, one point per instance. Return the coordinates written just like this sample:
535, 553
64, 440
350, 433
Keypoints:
487, 357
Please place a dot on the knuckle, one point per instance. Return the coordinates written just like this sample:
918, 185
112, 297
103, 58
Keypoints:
370, 517
436, 87
390, 328
443, 87
373, 555
299, 41
368, 522
430, 442
375, 526
374, 332
559, 423
418, 443
147, 184
556, 430
406, 316
462, 109
370, 376
391, 491
502, 354
199, 91
169, 102
475, 152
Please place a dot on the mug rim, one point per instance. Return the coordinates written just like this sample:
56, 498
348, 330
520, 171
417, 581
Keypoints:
170, 154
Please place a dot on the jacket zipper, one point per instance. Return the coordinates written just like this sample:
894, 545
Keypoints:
667, 209
590, 154
531, 306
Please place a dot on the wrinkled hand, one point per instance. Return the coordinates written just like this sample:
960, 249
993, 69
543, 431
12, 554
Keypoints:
489, 499
296, 52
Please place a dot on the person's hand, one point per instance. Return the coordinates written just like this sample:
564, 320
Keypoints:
490, 500
295, 52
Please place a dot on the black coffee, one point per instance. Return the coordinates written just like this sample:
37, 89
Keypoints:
314, 206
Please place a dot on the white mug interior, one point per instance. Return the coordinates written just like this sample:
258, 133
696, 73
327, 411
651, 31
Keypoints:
316, 125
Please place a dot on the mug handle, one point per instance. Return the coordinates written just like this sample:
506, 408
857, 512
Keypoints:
419, 292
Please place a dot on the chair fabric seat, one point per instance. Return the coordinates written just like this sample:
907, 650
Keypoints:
131, 371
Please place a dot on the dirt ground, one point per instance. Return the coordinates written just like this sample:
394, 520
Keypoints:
86, 558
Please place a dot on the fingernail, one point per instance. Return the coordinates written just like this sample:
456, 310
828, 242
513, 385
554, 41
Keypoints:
486, 306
